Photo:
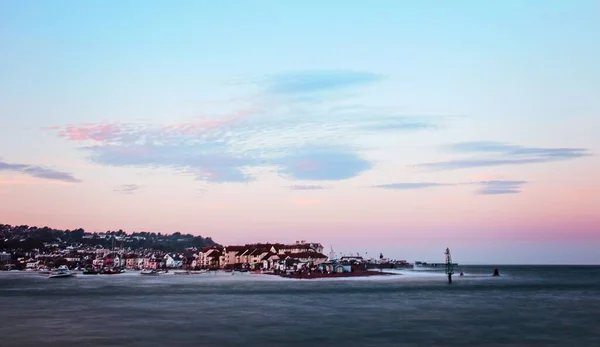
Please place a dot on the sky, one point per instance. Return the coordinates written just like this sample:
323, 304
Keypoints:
401, 127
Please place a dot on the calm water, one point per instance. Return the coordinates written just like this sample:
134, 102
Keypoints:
526, 306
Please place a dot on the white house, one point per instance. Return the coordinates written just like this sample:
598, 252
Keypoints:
5, 256
173, 261
32, 265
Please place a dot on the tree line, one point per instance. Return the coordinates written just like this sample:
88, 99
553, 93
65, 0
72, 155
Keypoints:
27, 238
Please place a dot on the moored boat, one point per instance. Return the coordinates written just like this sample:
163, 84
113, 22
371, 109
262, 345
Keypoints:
110, 271
90, 271
61, 272
149, 273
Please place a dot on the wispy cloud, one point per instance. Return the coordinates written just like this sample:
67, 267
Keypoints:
307, 143
38, 172
303, 82
127, 188
209, 162
323, 164
498, 154
400, 124
413, 185
307, 187
495, 187
99, 132
500, 187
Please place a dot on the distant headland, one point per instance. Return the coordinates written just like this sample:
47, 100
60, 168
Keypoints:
42, 249
24, 238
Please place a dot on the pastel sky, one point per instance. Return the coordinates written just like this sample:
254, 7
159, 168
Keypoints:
401, 127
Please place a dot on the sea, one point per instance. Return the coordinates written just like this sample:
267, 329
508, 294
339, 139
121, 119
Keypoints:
524, 306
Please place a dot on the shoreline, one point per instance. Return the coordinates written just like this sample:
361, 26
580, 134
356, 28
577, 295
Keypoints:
316, 275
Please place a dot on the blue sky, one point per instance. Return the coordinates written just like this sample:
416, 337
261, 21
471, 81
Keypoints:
393, 103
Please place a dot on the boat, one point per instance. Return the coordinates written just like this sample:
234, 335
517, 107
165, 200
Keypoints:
90, 271
110, 271
149, 273
61, 272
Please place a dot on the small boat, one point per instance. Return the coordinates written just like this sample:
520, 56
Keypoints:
61, 272
182, 273
149, 273
113, 271
90, 271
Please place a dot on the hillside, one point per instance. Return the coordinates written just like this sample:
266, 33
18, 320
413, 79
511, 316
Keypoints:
25, 238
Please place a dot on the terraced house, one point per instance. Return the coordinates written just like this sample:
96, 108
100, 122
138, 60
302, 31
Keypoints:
260, 255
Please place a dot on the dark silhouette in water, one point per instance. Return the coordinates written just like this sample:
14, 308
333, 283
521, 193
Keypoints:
461, 274
496, 272
449, 267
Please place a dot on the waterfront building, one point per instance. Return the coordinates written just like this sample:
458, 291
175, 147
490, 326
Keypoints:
131, 262
260, 255
4, 256
209, 257
173, 261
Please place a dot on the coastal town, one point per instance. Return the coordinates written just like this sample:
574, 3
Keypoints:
118, 252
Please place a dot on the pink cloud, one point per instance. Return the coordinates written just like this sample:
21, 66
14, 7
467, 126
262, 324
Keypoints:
190, 128
220, 149
106, 132
99, 132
